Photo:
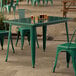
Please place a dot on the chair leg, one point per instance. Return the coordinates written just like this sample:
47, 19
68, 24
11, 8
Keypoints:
14, 9
22, 40
43, 1
12, 44
37, 41
67, 59
28, 1
46, 2
38, 2
18, 34
3, 10
29, 38
74, 64
2, 42
8, 43
51, 2
74, 60
8, 9
56, 60
32, 2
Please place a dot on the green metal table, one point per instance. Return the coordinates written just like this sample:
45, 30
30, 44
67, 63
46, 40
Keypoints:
42, 23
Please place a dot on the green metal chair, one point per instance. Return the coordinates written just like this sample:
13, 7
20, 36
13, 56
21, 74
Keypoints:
34, 2
3, 34
28, 1
4, 27
47, 2
24, 31
70, 49
15, 5
7, 6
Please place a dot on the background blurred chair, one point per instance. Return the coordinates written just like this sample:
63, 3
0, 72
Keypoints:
4, 27
34, 2
47, 2
28, 2
15, 5
3, 33
7, 5
69, 48
24, 31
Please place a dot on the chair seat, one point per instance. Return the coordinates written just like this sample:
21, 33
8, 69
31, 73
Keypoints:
66, 46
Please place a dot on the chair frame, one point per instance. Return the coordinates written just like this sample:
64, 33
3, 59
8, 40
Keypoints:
69, 48
22, 30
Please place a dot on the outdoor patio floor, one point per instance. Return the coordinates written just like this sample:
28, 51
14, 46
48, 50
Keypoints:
19, 64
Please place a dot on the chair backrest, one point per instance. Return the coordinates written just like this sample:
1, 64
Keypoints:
73, 36
21, 13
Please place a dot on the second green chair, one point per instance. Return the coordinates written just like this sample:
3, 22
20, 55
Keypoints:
23, 30
70, 49
47, 2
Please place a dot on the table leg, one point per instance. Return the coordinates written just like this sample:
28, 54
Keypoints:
9, 37
44, 37
12, 44
67, 54
32, 35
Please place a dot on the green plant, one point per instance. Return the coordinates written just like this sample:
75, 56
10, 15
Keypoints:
3, 26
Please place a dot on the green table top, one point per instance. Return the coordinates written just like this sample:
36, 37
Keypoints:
28, 22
